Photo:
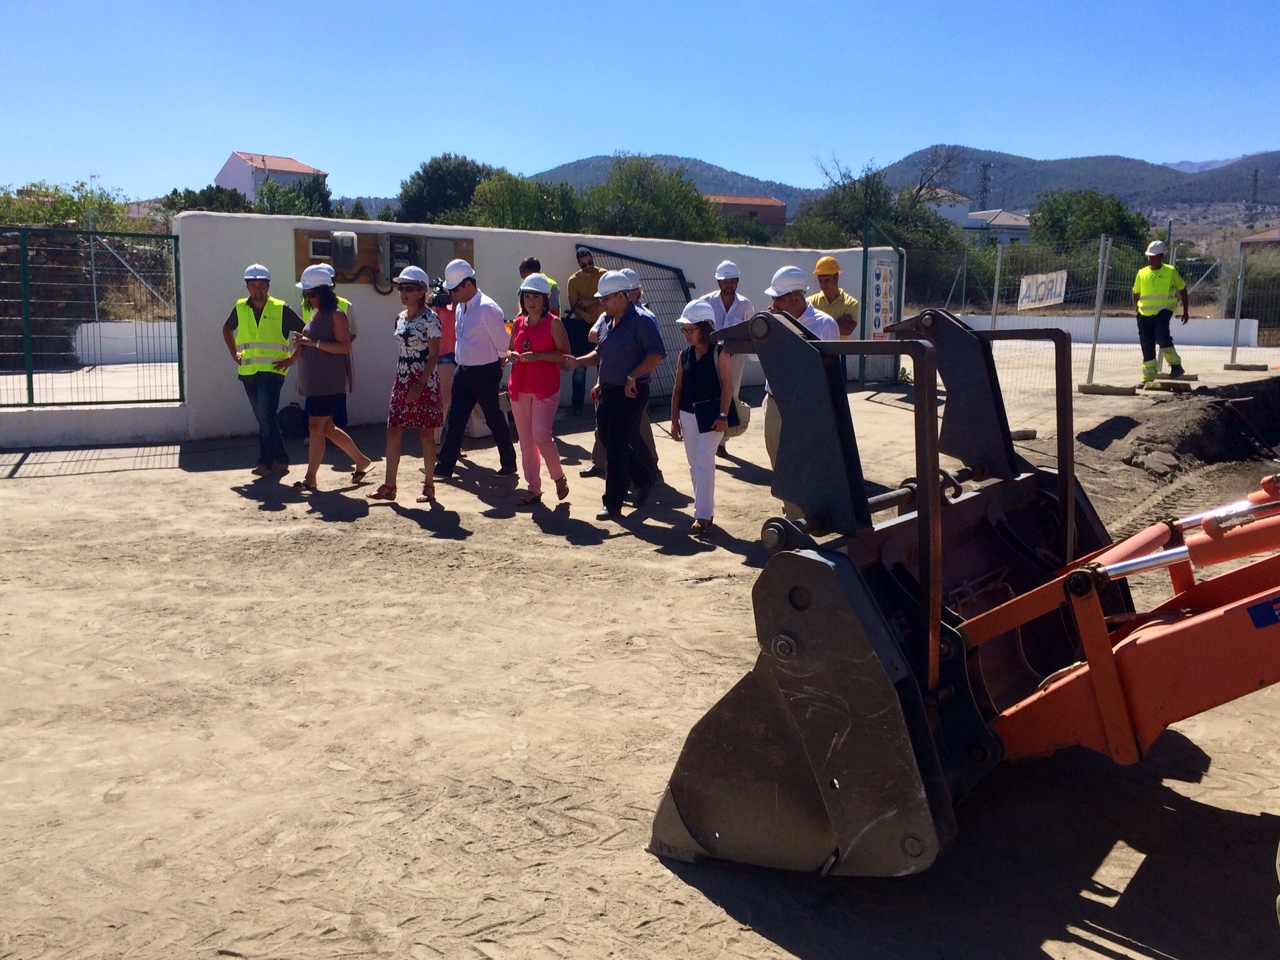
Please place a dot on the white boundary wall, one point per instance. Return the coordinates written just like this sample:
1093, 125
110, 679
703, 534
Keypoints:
1199, 332
215, 248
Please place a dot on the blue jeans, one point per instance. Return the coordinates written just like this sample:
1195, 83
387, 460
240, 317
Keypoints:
263, 391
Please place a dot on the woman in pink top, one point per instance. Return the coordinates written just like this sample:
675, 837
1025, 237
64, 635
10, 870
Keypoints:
538, 343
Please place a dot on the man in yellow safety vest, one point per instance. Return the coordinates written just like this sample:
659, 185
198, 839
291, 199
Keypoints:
1156, 291
257, 334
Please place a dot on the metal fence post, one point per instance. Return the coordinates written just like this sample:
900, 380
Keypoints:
177, 316
995, 290
1104, 264
93, 265
28, 359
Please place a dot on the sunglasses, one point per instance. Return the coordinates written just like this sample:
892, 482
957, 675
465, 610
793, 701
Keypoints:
411, 287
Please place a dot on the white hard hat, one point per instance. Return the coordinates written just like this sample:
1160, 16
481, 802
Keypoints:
536, 283
615, 281
413, 275
328, 268
1157, 248
632, 276
315, 276
788, 280
256, 271
456, 272
697, 311
727, 270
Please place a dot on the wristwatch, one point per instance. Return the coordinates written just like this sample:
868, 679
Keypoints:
723, 416
631, 379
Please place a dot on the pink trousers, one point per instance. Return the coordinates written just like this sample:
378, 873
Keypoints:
534, 419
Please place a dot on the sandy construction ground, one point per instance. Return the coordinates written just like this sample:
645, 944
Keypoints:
237, 722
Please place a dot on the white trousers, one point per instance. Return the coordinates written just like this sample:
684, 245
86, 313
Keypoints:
700, 448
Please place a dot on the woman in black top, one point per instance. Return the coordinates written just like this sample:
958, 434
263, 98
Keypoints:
700, 405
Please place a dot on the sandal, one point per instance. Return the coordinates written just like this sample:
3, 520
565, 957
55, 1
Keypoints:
382, 493
562, 487
301, 485
528, 500
358, 475
700, 527
428, 494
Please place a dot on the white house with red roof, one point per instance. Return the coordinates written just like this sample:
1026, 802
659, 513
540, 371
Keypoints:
247, 172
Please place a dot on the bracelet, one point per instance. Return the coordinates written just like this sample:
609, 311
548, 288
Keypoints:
632, 379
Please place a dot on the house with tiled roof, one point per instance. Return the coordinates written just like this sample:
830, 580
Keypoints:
247, 172
1001, 226
768, 210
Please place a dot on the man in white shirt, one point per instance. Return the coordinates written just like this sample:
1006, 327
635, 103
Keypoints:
481, 352
730, 308
788, 292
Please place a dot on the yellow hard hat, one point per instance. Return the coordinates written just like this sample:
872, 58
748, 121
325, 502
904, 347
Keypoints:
826, 267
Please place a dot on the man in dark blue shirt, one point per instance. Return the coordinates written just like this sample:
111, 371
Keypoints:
626, 357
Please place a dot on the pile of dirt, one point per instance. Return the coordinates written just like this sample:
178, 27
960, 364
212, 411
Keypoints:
1182, 432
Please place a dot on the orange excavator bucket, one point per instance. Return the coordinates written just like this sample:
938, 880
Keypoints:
901, 661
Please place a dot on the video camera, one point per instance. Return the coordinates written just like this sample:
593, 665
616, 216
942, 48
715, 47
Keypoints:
440, 297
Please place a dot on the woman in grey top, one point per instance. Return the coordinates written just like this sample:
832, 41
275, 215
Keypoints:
323, 374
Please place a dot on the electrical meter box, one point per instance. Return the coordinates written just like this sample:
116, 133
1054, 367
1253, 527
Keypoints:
397, 251
344, 251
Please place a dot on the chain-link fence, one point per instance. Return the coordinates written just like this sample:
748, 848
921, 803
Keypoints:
665, 292
88, 318
1087, 288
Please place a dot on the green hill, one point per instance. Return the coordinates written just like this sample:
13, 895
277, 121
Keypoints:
1014, 181
706, 176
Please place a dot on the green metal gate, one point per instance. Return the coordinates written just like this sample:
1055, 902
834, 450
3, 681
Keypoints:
88, 318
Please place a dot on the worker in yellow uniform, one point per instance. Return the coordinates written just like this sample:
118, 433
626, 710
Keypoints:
834, 302
257, 333
1156, 291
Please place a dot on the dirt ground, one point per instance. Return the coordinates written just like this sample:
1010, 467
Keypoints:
240, 722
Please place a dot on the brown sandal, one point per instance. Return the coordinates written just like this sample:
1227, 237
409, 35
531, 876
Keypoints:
700, 527
528, 500
428, 494
382, 493
562, 487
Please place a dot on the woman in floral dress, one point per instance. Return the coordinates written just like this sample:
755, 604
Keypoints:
415, 395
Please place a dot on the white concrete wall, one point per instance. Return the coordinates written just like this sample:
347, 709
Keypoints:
215, 249
1200, 332
113, 341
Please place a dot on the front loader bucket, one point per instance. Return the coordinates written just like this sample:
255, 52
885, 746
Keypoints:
820, 759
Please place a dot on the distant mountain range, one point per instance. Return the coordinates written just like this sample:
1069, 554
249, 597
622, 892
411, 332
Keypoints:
706, 176
1013, 182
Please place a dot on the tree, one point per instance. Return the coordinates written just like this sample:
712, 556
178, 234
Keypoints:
358, 212
641, 199
340, 209
40, 204
1071, 216
314, 193
505, 200
848, 201
387, 214
446, 182
814, 233
217, 199
738, 229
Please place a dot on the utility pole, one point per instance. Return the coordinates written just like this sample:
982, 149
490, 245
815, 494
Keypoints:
984, 184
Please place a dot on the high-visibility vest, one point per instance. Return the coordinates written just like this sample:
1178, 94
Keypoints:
343, 304
261, 341
1157, 289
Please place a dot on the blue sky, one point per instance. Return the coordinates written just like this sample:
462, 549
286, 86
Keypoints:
149, 96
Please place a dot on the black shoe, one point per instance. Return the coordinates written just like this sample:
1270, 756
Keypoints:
641, 495
440, 471
1176, 370
507, 471
591, 471
604, 513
